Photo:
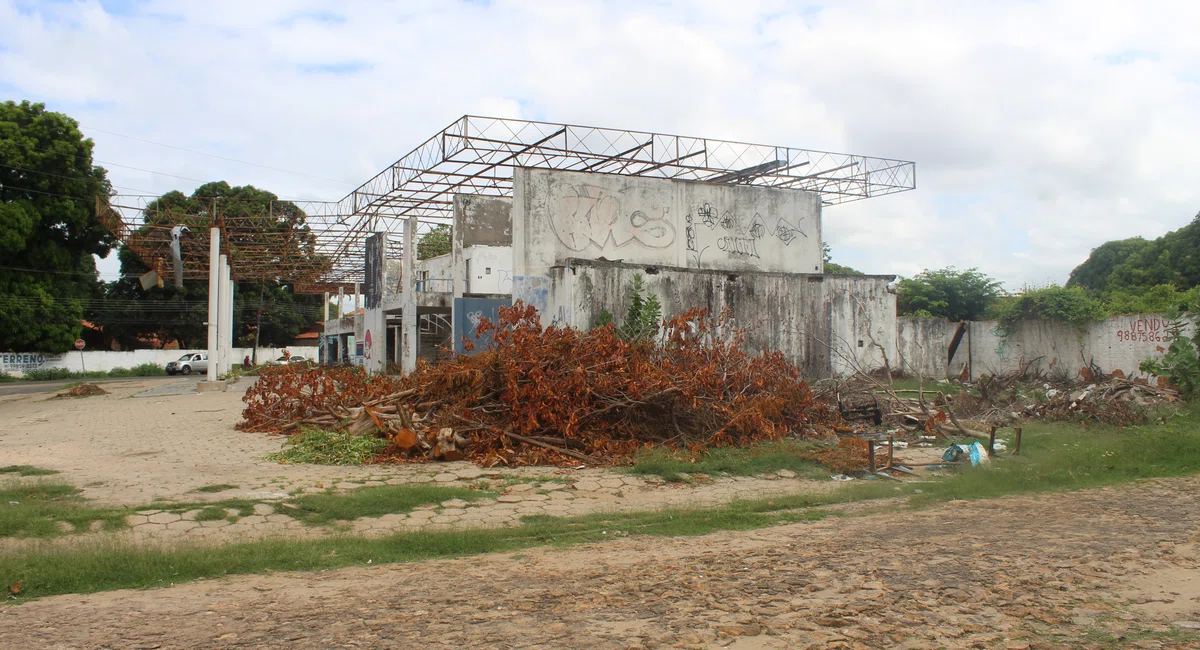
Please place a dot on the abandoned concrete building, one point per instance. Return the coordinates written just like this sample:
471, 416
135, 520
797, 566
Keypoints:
564, 217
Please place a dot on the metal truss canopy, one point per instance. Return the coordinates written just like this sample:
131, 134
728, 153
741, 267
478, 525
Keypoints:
477, 155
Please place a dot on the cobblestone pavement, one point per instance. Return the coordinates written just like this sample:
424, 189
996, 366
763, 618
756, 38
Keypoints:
1049, 571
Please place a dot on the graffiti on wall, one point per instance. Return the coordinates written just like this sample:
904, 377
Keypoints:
591, 216
735, 235
1143, 330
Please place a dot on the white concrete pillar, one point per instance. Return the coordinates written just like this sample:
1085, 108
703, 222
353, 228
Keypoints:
458, 263
214, 284
229, 319
408, 322
223, 318
357, 286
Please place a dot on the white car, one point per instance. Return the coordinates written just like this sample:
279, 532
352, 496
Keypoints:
188, 363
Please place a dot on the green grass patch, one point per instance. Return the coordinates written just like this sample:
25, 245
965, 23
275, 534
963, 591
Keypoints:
211, 513
1055, 457
734, 461
321, 447
27, 470
36, 508
49, 374
216, 487
105, 565
372, 502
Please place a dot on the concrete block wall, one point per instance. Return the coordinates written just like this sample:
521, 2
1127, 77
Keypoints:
1050, 347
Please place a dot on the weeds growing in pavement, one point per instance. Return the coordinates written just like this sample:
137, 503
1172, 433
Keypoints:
36, 509
216, 487
27, 470
373, 502
321, 447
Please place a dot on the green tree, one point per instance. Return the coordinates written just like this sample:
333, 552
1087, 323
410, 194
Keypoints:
1068, 304
266, 309
832, 267
434, 243
947, 293
1136, 265
1159, 298
48, 231
1095, 272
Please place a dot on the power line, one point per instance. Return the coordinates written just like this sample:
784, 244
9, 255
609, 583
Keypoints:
201, 153
70, 178
26, 189
154, 171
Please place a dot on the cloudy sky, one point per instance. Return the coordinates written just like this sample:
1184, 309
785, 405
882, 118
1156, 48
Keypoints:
1039, 129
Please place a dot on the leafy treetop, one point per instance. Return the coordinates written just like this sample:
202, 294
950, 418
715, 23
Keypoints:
947, 293
434, 243
48, 233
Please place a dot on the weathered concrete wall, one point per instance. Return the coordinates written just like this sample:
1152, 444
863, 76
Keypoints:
489, 269
485, 270
921, 345
815, 321
559, 215
482, 220
1051, 347
16, 363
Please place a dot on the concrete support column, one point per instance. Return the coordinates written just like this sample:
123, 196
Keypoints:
458, 263
224, 318
229, 320
408, 322
214, 284
356, 290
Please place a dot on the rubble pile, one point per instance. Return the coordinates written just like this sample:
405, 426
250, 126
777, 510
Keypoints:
974, 408
550, 395
1117, 400
82, 390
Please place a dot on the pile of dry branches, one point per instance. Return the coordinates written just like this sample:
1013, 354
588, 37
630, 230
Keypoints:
557, 395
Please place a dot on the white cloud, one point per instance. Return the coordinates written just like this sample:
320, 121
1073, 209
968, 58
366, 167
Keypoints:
1040, 130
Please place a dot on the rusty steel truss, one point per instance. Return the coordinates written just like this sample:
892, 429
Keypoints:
477, 155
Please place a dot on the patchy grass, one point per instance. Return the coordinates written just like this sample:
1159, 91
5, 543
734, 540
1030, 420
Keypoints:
27, 470
321, 447
103, 566
216, 487
34, 509
211, 513
733, 461
1055, 457
372, 502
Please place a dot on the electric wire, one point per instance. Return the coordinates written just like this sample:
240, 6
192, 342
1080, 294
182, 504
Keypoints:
201, 153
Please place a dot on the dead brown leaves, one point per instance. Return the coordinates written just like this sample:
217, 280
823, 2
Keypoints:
558, 395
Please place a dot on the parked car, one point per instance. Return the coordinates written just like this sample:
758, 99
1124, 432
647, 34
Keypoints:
188, 363
292, 359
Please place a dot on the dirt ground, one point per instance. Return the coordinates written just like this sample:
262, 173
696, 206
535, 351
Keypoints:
1049, 571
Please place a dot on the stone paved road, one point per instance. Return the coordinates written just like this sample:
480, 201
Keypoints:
1014, 573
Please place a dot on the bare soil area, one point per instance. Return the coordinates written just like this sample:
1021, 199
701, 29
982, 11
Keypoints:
1099, 568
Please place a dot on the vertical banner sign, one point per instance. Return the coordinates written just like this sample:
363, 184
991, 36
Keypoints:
373, 270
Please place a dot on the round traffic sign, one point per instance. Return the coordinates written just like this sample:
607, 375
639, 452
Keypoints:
79, 344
